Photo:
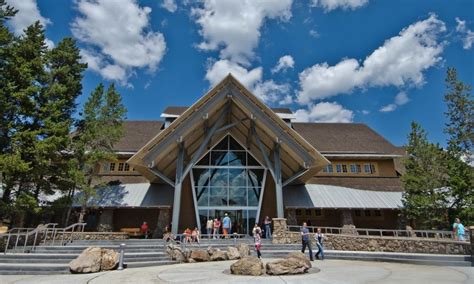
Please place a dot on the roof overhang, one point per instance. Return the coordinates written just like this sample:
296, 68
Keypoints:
228, 108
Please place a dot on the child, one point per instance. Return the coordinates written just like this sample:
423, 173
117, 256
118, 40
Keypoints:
258, 243
319, 242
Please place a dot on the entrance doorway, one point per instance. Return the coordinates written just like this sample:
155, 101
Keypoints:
243, 220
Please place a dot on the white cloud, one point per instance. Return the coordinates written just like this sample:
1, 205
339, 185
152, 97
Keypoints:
314, 33
234, 25
285, 62
365, 112
468, 35
399, 62
118, 37
329, 5
324, 112
219, 69
268, 91
400, 99
170, 5
28, 14
271, 92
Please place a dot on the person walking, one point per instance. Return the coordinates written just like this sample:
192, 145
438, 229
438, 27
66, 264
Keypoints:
459, 230
267, 223
305, 241
226, 225
319, 237
209, 227
257, 239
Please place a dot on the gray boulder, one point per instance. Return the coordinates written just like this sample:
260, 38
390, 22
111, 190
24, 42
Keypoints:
250, 265
199, 255
244, 250
233, 253
294, 263
219, 255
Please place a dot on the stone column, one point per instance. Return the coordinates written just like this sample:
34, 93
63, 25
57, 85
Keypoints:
279, 230
163, 221
346, 217
106, 221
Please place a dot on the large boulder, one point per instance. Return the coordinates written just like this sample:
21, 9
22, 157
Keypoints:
301, 256
219, 255
199, 255
295, 263
250, 265
176, 253
110, 259
233, 253
244, 250
94, 259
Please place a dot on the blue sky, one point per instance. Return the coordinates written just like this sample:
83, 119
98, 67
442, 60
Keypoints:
377, 62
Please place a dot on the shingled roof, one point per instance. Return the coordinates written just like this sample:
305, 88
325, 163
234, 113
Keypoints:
345, 138
178, 110
136, 134
332, 138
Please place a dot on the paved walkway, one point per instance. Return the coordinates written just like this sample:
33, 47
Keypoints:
332, 271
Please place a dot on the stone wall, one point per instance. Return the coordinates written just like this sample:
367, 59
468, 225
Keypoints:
281, 235
91, 236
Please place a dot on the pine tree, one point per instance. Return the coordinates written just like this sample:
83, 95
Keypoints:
97, 132
425, 198
460, 115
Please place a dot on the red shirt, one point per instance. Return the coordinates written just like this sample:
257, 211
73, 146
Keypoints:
144, 228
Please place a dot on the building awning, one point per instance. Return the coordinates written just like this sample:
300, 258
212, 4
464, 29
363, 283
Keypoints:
130, 195
329, 196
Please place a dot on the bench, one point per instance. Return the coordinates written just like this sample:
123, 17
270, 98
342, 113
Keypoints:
132, 232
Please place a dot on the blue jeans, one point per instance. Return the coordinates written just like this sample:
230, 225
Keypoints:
307, 244
320, 251
268, 231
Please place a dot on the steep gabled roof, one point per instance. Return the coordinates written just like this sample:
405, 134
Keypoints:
178, 110
136, 134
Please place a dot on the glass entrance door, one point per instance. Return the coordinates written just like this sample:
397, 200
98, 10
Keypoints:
243, 220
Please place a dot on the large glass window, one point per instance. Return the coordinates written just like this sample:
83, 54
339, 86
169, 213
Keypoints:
228, 179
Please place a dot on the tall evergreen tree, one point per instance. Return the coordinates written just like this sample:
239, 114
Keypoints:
460, 116
97, 132
425, 198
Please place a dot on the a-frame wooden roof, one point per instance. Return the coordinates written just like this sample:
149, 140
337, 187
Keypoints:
228, 108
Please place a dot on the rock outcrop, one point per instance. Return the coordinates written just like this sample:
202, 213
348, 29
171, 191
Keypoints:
219, 255
250, 265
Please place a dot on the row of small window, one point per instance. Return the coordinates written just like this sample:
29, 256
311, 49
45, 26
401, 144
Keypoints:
351, 168
357, 213
117, 167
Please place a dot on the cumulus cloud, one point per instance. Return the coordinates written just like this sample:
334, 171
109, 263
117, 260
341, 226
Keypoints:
268, 91
233, 26
118, 37
28, 14
467, 34
170, 5
284, 63
324, 112
329, 5
400, 99
399, 62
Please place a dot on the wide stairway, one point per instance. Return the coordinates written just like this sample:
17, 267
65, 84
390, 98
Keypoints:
51, 259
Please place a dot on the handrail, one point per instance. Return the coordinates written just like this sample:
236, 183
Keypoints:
29, 232
71, 227
430, 234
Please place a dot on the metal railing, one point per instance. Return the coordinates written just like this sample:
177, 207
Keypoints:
26, 233
74, 228
429, 234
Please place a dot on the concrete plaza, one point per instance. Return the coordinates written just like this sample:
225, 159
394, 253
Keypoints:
332, 271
